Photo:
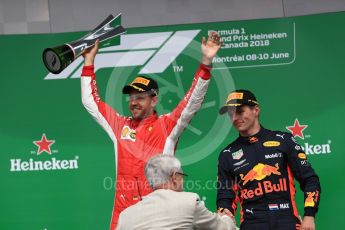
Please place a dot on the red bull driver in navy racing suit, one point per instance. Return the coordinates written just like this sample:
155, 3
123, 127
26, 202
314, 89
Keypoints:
258, 170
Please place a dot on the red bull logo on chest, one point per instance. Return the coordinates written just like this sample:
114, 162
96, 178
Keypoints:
260, 172
264, 188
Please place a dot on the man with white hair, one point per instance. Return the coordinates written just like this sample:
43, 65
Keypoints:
168, 207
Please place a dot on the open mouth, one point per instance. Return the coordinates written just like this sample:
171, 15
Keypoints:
135, 108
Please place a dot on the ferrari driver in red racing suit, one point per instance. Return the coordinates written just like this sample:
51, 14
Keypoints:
144, 134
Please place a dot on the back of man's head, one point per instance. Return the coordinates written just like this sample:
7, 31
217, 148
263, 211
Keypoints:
158, 169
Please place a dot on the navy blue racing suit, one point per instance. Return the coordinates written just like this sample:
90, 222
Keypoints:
258, 172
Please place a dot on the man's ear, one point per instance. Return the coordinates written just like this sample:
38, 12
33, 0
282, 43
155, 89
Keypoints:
257, 110
174, 178
154, 101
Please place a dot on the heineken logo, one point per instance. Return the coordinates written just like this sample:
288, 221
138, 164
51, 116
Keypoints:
297, 130
53, 164
36, 164
44, 145
311, 149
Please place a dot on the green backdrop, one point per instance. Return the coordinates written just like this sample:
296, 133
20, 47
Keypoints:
294, 65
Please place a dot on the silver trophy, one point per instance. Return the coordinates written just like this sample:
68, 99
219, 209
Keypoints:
58, 58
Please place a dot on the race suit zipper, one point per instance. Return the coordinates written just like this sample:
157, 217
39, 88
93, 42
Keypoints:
138, 188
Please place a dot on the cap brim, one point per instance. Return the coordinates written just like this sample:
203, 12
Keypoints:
128, 88
225, 108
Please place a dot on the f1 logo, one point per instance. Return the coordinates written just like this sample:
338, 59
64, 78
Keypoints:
154, 51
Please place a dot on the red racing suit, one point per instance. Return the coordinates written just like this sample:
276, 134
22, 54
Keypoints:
135, 142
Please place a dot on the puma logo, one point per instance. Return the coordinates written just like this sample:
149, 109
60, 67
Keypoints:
280, 135
250, 211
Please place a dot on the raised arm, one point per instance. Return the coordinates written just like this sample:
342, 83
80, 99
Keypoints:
180, 117
104, 115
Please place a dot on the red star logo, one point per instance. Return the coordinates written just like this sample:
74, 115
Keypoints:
43, 144
297, 129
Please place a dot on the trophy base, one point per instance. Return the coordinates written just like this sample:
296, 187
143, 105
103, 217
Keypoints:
58, 58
